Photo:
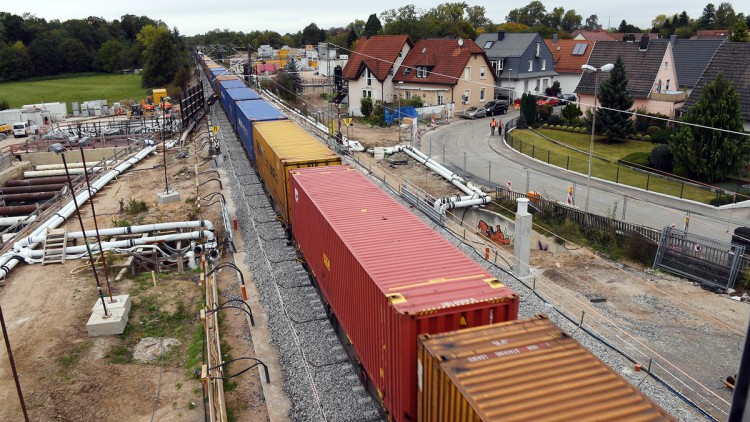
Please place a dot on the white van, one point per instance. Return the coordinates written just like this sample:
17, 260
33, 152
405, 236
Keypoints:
21, 129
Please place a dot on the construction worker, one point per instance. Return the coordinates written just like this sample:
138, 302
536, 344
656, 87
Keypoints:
493, 125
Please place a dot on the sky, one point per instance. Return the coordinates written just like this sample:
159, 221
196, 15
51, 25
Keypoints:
193, 17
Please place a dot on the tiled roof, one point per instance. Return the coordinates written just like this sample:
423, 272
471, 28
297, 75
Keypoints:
708, 34
733, 60
618, 36
641, 67
691, 58
593, 35
512, 44
564, 59
377, 53
445, 59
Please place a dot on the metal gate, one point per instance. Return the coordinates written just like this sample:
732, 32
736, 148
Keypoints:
423, 201
699, 258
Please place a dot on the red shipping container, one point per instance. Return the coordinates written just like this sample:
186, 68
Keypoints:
388, 277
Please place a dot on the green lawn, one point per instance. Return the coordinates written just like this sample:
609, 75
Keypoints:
534, 145
71, 88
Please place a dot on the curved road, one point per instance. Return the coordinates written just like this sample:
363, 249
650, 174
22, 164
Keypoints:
467, 148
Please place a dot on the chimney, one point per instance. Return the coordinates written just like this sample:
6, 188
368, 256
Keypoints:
554, 39
643, 44
500, 35
672, 39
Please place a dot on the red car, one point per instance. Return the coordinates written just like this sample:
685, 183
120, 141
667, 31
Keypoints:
548, 101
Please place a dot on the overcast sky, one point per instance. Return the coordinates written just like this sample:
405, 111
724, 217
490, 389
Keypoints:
195, 17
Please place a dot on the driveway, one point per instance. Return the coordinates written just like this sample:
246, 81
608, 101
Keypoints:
468, 149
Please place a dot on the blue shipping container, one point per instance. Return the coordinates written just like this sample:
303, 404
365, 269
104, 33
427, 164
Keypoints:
232, 95
247, 113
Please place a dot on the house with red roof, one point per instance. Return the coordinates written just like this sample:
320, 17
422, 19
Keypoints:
567, 58
372, 66
446, 71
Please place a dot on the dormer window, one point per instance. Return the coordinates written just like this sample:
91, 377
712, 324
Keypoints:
538, 49
407, 70
421, 71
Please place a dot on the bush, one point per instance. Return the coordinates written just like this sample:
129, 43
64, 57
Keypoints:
543, 112
4, 105
577, 122
555, 119
546, 125
661, 158
571, 111
558, 127
415, 101
647, 138
639, 249
569, 128
521, 123
722, 200
639, 137
653, 130
136, 206
365, 106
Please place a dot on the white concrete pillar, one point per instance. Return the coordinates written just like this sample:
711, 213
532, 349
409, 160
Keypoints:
522, 239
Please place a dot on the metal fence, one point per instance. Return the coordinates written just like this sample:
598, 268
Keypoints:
699, 258
422, 200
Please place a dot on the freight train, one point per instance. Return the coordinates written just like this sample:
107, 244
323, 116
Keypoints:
384, 275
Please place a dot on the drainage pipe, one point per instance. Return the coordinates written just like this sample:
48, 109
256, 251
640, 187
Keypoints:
21, 210
32, 196
9, 221
9, 260
466, 203
38, 181
46, 173
28, 189
70, 166
73, 252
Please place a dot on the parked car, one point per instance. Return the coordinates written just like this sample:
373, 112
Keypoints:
496, 107
474, 113
567, 98
548, 101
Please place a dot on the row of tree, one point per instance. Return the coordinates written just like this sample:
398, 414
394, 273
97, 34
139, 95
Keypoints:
34, 47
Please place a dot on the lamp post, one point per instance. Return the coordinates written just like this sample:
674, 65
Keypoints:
588, 68
400, 85
164, 141
82, 143
60, 150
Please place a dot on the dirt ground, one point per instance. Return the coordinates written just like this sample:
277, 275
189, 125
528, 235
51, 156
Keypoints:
68, 376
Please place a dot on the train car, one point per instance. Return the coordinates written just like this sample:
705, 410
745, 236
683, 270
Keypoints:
223, 78
387, 277
281, 146
528, 370
247, 113
229, 96
208, 65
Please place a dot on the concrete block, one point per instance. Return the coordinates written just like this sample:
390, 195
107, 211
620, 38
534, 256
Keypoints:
112, 325
122, 302
168, 197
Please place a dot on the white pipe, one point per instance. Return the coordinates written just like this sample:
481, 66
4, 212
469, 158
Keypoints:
9, 221
466, 203
113, 231
70, 166
453, 178
129, 243
46, 173
7, 261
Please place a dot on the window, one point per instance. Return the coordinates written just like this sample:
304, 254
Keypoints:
545, 83
500, 64
666, 65
467, 73
580, 49
488, 45
391, 73
407, 70
481, 94
544, 64
408, 94
531, 65
483, 72
366, 93
493, 65
658, 87
421, 72
441, 100
369, 78
466, 96
666, 88
536, 88
538, 49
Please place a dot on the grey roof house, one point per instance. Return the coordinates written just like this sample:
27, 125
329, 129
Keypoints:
691, 58
733, 60
649, 66
521, 62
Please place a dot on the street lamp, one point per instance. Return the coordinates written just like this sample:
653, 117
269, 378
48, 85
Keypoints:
400, 85
588, 68
60, 150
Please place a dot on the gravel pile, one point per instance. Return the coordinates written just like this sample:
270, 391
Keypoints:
317, 376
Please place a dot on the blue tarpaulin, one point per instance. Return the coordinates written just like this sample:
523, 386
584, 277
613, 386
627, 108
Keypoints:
400, 113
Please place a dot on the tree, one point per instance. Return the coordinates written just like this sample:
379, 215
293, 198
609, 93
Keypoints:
532, 14
311, 35
15, 63
528, 107
740, 33
406, 20
162, 60
476, 17
725, 16
592, 23
658, 21
571, 21
373, 26
706, 153
287, 82
684, 19
111, 56
571, 111
351, 38
708, 17
365, 106
554, 90
614, 98
447, 20
628, 28
661, 158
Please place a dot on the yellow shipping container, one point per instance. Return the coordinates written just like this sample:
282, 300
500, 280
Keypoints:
527, 370
223, 78
281, 146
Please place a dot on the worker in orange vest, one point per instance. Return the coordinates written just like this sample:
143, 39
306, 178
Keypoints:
493, 125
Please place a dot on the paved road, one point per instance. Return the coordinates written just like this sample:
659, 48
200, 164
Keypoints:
467, 148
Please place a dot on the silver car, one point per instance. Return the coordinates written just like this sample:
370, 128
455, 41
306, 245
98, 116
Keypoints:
474, 113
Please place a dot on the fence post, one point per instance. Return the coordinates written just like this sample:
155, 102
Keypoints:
548, 151
624, 206
567, 165
617, 177
648, 179
533, 151
682, 189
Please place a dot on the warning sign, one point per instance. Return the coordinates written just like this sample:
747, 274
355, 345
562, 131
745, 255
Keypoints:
215, 129
348, 121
